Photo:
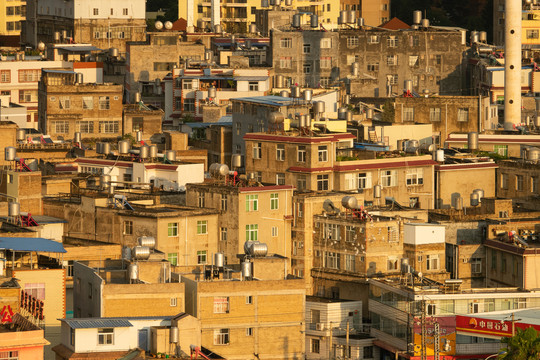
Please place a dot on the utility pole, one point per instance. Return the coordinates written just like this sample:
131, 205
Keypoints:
437, 339
330, 344
347, 342
423, 354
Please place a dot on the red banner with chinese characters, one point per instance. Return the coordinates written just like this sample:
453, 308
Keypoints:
492, 327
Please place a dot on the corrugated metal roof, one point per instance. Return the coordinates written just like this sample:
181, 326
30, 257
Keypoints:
78, 48
251, 78
31, 244
268, 100
91, 323
59, 71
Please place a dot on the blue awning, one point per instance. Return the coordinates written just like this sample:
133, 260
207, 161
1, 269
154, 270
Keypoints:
31, 244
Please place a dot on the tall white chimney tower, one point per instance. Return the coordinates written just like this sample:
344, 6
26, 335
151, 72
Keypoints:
216, 13
190, 13
512, 64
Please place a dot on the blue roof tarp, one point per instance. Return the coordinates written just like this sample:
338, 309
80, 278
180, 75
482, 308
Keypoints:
92, 323
31, 244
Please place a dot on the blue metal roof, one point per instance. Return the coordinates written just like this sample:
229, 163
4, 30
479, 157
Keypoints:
31, 244
91, 323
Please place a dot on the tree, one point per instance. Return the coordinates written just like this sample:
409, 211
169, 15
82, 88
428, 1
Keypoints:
524, 345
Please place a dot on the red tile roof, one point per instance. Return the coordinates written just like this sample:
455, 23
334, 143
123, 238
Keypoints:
395, 24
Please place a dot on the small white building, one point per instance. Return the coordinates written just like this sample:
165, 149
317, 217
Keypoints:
423, 233
327, 320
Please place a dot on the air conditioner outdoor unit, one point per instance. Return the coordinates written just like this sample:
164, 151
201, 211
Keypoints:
319, 326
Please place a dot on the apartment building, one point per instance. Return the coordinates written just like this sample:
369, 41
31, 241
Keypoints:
23, 187
505, 145
103, 24
189, 236
143, 118
12, 16
21, 338
243, 319
19, 81
248, 212
154, 58
314, 163
108, 289
517, 178
376, 61
236, 17
193, 88
67, 106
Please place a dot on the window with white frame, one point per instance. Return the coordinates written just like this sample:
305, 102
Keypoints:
280, 152
223, 234
85, 126
350, 262
286, 43
61, 126
415, 176
307, 48
373, 67
252, 202
463, 114
331, 260
392, 264
504, 181
301, 153
88, 102
432, 262
434, 114
274, 231
26, 96
326, 62
352, 41
350, 182
64, 102
173, 302
108, 127
105, 336
413, 60
476, 265
392, 79
253, 86
104, 103
172, 229
306, 67
350, 233
252, 232
332, 232
285, 62
519, 182
5, 76
274, 201
373, 39
364, 180
221, 337
202, 227
301, 182
221, 305
389, 178
323, 153
392, 41
391, 60
408, 114
173, 258
257, 151
280, 178
322, 182
326, 43
187, 84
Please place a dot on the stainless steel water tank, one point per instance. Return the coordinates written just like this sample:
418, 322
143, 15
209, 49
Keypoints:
425, 23
133, 272
314, 21
319, 107
377, 191
417, 17
472, 140
349, 202
296, 91
279, 81
369, 113
212, 92
342, 113
105, 181
144, 152
253, 28
140, 253
296, 21
138, 136
480, 193
14, 209
170, 155
77, 137
174, 335
408, 85
351, 16
236, 160
474, 199
105, 148
360, 22
284, 93
21, 134
10, 153
439, 155
246, 270
343, 18
148, 241
123, 147
219, 259
533, 154
308, 95
275, 117
153, 151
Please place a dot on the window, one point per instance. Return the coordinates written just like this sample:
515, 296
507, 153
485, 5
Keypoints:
326, 62
172, 229
187, 84
200, 199
463, 114
373, 39
104, 103
413, 60
364, 180
280, 179
519, 182
26, 96
257, 151
106, 336
322, 182
249, 300
96, 11
29, 75
108, 127
201, 257
125, 11
307, 68
326, 43
85, 127
323, 153
5, 76
392, 264
221, 336
301, 182
392, 60
61, 126
202, 227
389, 178
224, 202
432, 262
252, 232
534, 184
325, 80
286, 43
223, 234
392, 79
64, 102
373, 67
253, 86
350, 233
221, 305
350, 263
128, 227
332, 260
88, 102
307, 48
252, 203
189, 105
274, 201
501, 150
315, 346
280, 152
476, 265
408, 114
415, 176
352, 41
275, 231
504, 181
173, 302
368, 352
173, 258
301, 153
434, 114
285, 62
392, 41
